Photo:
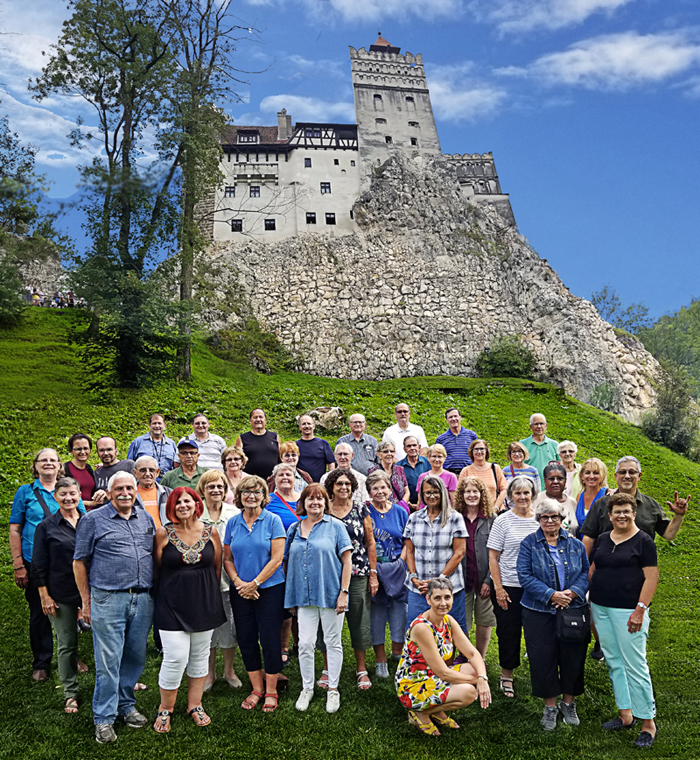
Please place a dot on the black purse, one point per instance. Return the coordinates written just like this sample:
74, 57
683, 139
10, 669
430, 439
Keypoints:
574, 624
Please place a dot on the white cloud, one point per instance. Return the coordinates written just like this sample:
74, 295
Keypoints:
617, 61
325, 67
457, 95
526, 15
309, 109
375, 10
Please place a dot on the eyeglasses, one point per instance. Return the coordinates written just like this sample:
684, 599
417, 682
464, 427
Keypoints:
550, 518
479, 451
567, 451
215, 487
246, 492
626, 513
431, 494
188, 453
628, 472
232, 459
46, 461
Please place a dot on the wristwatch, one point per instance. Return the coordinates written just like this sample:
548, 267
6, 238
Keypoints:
345, 591
412, 576
642, 605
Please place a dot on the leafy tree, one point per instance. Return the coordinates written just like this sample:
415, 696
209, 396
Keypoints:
507, 357
11, 304
631, 318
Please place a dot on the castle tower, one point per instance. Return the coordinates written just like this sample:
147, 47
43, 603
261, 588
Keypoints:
392, 103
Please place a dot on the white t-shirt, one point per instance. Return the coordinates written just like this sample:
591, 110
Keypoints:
396, 435
507, 532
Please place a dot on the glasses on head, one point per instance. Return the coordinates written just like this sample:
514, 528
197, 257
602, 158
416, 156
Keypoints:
625, 513
246, 492
550, 518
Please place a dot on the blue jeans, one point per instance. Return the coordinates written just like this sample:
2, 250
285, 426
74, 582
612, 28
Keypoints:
395, 615
418, 603
120, 625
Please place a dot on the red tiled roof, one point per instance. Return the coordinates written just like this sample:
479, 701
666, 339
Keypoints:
381, 41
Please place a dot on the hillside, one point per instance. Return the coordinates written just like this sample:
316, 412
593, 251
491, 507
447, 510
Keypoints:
41, 405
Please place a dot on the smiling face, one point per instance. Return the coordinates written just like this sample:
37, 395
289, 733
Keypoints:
68, 497
233, 463
454, 420
517, 457
567, 455
479, 452
440, 601
157, 427
342, 488
200, 425
315, 506
107, 451
472, 495
258, 421
284, 480
591, 479
437, 460
80, 450
306, 426
411, 447
554, 484
387, 457
343, 456
550, 524
214, 492
622, 517
146, 473
357, 425
538, 426
379, 492
251, 498
403, 415
123, 492
627, 477
290, 457
522, 497
185, 507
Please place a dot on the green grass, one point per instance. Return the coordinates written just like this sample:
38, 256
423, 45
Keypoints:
41, 405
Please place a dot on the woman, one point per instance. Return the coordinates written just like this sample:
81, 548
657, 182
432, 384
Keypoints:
253, 551
284, 498
517, 455
32, 503
437, 455
624, 576
553, 572
187, 564
289, 454
80, 447
474, 503
52, 568
567, 451
320, 547
386, 453
389, 603
212, 489
555, 488
490, 475
425, 682
233, 460
592, 482
341, 484
507, 532
435, 539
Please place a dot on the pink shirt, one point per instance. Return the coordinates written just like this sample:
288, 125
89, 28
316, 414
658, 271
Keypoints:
448, 478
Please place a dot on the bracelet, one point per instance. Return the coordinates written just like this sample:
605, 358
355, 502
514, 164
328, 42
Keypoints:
484, 677
17, 569
256, 582
344, 591
373, 571
412, 576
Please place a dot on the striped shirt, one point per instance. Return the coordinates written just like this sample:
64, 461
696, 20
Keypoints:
457, 447
507, 532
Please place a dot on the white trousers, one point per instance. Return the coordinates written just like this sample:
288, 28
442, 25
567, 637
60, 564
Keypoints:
332, 624
182, 649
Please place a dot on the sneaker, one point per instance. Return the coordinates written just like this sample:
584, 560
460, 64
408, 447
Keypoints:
616, 724
549, 718
645, 739
104, 733
569, 713
382, 670
135, 719
597, 653
332, 701
305, 699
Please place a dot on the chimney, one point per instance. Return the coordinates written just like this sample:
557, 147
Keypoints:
284, 125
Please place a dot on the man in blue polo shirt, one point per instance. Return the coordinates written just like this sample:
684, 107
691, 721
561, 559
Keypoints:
113, 568
456, 441
542, 449
414, 465
155, 444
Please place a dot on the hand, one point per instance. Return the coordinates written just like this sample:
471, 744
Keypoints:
21, 578
86, 611
560, 599
485, 592
373, 584
679, 506
48, 605
502, 598
634, 623
247, 590
341, 605
422, 586
484, 691
99, 497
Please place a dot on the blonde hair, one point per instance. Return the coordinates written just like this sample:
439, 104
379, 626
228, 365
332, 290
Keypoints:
211, 476
595, 465
437, 448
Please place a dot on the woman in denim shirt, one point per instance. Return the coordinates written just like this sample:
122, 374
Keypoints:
553, 571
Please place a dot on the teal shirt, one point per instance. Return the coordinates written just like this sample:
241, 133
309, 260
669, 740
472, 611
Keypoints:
541, 454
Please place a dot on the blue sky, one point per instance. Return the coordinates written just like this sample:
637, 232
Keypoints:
590, 107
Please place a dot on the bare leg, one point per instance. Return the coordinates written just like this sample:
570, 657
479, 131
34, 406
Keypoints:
380, 653
211, 675
168, 697
285, 632
256, 681
397, 647
649, 725
483, 636
229, 655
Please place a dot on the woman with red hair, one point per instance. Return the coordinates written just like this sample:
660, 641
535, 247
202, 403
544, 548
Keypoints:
187, 560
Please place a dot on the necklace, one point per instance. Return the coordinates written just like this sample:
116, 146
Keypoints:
191, 555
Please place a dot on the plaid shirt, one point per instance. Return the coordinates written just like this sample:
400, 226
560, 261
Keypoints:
432, 546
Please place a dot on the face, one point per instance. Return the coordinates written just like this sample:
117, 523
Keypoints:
387, 456
554, 484
185, 507
440, 601
403, 414
258, 420
430, 495
627, 477
123, 493
591, 478
157, 427
411, 447
342, 488
284, 479
517, 457
251, 498
538, 424
67, 497
380, 492
315, 506
479, 452
233, 462
80, 450
214, 491
622, 516
522, 497
358, 425
107, 451
146, 475
454, 420
306, 425
344, 457
188, 456
200, 425
567, 455
550, 524
472, 495
437, 459
290, 457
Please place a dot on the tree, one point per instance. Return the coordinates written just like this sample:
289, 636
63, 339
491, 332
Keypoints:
631, 318
507, 357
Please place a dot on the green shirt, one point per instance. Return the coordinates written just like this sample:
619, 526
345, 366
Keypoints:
177, 479
541, 454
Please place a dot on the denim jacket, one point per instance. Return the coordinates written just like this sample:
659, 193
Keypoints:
537, 572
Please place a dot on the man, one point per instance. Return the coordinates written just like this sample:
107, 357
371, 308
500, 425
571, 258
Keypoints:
403, 427
650, 518
364, 446
456, 441
152, 495
344, 456
314, 453
113, 568
261, 446
111, 464
414, 465
189, 472
155, 444
209, 445
542, 449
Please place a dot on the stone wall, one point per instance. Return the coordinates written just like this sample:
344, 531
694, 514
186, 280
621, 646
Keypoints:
426, 283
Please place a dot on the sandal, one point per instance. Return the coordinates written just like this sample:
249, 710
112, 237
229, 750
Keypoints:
248, 703
363, 685
82, 667
445, 722
285, 658
270, 708
323, 680
505, 684
140, 687
199, 716
71, 706
162, 724
429, 728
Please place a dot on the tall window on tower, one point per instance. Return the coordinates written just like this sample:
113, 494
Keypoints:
378, 103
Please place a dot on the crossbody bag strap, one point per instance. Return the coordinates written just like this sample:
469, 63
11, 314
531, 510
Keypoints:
40, 499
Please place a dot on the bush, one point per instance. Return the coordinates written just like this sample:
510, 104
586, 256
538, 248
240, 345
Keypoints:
508, 357
605, 396
11, 303
250, 345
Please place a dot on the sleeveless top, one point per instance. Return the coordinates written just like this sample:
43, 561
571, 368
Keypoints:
262, 452
188, 597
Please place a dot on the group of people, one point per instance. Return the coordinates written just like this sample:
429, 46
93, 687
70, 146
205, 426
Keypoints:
265, 542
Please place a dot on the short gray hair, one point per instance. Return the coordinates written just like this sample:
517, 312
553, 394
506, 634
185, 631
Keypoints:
121, 474
628, 459
438, 583
519, 482
343, 445
549, 507
376, 477
142, 460
283, 466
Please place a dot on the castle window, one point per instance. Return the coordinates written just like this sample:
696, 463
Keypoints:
412, 123
254, 191
325, 188
236, 225
352, 163
414, 141
388, 140
380, 121
270, 225
229, 191
247, 137
310, 217
378, 103
410, 103
312, 132
336, 162
307, 163
410, 99
330, 218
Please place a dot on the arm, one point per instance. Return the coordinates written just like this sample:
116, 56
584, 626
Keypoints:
406, 494
229, 567
588, 542
495, 569
679, 507
459, 549
20, 572
651, 581
80, 571
476, 663
239, 444
371, 548
346, 559
410, 559
216, 540
158, 545
422, 635
502, 484
250, 590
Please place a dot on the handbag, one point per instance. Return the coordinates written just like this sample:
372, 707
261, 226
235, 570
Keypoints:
573, 624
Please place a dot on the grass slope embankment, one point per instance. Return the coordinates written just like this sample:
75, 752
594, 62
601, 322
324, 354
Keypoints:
41, 405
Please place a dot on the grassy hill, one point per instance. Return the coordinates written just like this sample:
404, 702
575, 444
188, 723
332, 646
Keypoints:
41, 404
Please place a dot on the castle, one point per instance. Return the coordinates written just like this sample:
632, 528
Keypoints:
294, 179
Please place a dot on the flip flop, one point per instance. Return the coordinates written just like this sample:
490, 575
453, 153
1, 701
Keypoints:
199, 717
162, 724
71, 706
140, 687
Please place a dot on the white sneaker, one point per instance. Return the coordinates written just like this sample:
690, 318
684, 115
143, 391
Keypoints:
382, 670
332, 701
305, 699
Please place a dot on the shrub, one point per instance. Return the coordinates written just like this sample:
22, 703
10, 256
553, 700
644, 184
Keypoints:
508, 357
11, 304
251, 345
605, 396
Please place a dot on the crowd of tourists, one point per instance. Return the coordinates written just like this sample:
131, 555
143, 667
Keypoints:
269, 546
